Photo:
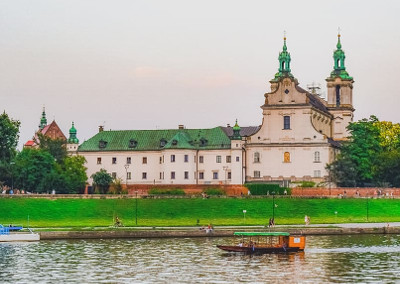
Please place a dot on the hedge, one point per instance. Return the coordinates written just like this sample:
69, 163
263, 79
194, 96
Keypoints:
266, 189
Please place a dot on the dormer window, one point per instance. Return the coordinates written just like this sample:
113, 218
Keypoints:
203, 142
102, 144
174, 142
132, 143
163, 142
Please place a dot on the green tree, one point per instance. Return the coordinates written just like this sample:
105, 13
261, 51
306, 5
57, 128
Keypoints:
56, 147
102, 180
9, 134
73, 172
371, 156
33, 169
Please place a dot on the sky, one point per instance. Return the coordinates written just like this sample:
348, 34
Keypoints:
157, 64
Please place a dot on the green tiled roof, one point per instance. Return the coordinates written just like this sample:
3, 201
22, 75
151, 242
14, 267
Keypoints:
155, 140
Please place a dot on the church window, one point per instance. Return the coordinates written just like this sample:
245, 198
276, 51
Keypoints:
283, 65
215, 175
286, 157
237, 159
172, 158
286, 122
161, 160
144, 160
257, 174
186, 158
201, 175
219, 159
317, 173
114, 160
317, 157
337, 95
256, 157
186, 175
128, 160
172, 175
201, 159
99, 161
128, 175
229, 175
144, 175
228, 159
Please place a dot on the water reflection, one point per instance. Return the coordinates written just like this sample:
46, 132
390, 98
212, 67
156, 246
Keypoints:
364, 258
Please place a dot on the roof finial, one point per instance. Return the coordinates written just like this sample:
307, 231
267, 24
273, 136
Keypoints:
338, 45
284, 41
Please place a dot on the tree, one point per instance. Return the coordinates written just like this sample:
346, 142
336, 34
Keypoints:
33, 169
102, 180
56, 147
9, 135
73, 173
371, 156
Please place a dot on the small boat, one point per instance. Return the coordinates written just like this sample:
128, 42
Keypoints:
266, 242
7, 236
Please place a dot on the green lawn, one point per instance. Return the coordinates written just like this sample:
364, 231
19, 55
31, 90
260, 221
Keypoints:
185, 212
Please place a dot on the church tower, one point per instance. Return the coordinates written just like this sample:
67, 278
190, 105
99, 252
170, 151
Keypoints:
340, 95
73, 141
43, 120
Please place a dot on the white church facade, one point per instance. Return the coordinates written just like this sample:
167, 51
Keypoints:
299, 135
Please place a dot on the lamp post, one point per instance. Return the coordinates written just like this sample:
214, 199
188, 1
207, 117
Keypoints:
12, 176
273, 206
126, 175
136, 192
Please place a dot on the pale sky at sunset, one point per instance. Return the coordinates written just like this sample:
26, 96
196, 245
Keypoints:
156, 64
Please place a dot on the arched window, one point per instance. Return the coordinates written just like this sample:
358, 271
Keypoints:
256, 157
337, 95
317, 157
283, 65
286, 157
338, 63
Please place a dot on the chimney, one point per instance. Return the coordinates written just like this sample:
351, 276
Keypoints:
181, 126
228, 125
101, 128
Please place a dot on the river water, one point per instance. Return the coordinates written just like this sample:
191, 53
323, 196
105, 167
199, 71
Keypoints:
334, 259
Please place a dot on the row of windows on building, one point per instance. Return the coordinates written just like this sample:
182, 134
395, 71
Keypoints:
286, 157
257, 174
218, 159
215, 175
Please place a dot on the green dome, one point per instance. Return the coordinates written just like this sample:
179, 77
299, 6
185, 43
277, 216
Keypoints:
236, 131
72, 135
284, 63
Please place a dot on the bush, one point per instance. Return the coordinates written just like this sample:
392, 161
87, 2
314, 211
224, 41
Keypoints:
171, 191
306, 184
266, 188
214, 191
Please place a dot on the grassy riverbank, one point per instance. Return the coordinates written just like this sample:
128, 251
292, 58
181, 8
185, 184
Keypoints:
185, 212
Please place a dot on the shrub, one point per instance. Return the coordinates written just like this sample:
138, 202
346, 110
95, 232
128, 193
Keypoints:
170, 191
266, 188
214, 191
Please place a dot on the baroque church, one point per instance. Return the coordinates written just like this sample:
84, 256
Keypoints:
299, 135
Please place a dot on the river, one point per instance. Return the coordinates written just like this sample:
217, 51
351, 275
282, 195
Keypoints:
334, 259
